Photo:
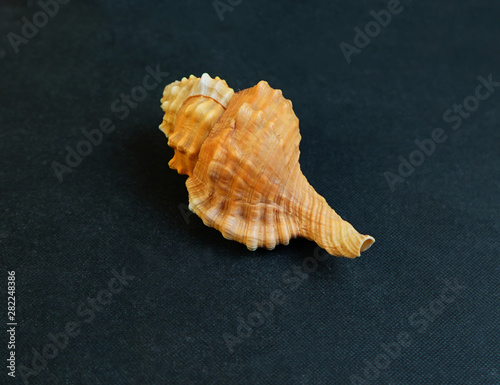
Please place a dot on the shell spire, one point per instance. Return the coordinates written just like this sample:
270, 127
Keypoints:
192, 106
241, 153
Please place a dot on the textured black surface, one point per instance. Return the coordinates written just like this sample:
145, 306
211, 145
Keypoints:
123, 208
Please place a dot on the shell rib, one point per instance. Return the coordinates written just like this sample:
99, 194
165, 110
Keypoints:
241, 153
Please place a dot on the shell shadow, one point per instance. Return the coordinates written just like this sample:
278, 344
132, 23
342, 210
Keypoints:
146, 163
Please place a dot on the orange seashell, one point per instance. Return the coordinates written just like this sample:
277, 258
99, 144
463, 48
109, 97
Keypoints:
241, 153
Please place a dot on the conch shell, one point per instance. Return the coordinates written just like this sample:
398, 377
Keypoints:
241, 153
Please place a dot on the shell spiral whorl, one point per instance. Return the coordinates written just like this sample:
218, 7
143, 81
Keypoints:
241, 154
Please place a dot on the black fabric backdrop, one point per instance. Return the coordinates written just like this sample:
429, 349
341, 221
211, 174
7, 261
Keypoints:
419, 307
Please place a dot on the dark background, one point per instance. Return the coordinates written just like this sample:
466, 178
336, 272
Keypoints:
123, 208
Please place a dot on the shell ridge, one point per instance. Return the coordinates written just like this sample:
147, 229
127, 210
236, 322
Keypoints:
231, 230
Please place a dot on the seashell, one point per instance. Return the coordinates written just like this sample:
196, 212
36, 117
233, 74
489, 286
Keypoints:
241, 154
